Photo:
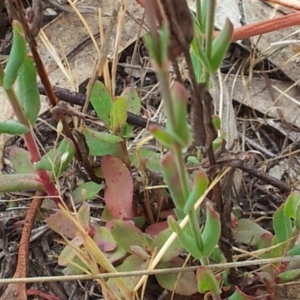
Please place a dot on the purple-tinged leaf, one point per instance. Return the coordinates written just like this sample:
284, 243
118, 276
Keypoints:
104, 239
62, 225
118, 188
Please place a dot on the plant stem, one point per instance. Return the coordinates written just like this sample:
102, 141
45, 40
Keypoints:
162, 75
193, 220
262, 27
180, 165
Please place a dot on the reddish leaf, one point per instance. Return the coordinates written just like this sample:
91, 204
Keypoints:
119, 188
59, 223
156, 228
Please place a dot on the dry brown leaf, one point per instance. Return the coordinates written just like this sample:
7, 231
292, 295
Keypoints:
281, 56
256, 95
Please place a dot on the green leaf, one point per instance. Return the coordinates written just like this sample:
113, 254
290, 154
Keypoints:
166, 137
16, 57
204, 15
294, 251
140, 252
212, 230
218, 142
21, 161
172, 179
291, 205
86, 191
84, 216
102, 143
118, 114
197, 63
104, 239
282, 225
132, 99
248, 232
158, 48
179, 98
207, 282
102, 102
130, 263
52, 161
126, 235
174, 249
220, 45
13, 127
208, 8
217, 256
186, 240
20, 182
279, 250
199, 58
183, 284
28, 92
148, 158
264, 242
216, 122
297, 219
289, 275
76, 266
239, 295
200, 186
